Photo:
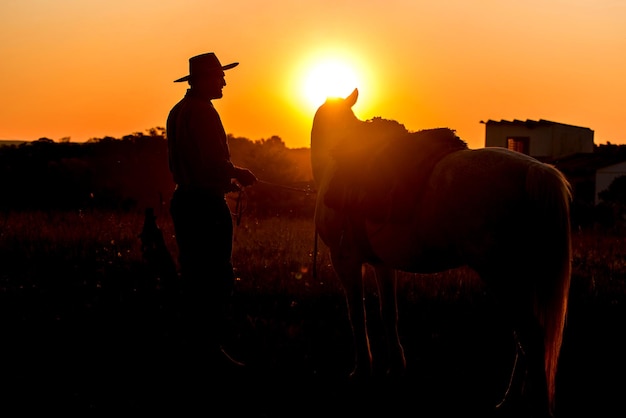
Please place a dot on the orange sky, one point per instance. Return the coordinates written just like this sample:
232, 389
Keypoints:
89, 68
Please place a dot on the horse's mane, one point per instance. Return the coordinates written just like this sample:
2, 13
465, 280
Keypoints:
381, 159
394, 140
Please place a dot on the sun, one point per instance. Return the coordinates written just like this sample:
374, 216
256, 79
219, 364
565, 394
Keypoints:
330, 78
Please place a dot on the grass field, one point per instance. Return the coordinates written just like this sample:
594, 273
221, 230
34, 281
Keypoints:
88, 328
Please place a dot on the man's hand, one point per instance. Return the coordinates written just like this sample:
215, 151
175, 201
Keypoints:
245, 176
234, 187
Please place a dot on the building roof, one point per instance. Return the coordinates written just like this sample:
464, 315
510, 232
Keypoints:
529, 123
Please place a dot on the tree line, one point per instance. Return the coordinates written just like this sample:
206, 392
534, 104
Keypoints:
132, 173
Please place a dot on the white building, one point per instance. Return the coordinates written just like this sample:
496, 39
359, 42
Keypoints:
606, 175
542, 139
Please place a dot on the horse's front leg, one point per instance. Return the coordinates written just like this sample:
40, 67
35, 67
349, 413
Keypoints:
387, 283
350, 272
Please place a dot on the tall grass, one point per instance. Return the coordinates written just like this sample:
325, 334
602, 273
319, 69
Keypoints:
35, 244
272, 255
77, 301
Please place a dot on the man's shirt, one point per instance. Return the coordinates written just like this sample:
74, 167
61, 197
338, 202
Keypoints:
199, 157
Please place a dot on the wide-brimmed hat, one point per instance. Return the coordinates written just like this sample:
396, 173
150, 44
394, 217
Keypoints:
205, 65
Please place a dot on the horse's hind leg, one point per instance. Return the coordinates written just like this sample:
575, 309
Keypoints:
528, 386
387, 283
350, 272
516, 381
535, 388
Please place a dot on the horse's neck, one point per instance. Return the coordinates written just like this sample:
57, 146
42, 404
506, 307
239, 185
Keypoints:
322, 143
320, 158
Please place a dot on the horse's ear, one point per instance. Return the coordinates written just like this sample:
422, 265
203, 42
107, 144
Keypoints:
351, 99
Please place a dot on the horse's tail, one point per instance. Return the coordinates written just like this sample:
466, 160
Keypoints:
551, 193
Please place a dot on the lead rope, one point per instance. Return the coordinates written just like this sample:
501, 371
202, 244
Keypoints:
239, 212
315, 255
238, 208
282, 186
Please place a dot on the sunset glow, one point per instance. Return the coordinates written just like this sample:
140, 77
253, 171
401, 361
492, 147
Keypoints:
92, 69
329, 79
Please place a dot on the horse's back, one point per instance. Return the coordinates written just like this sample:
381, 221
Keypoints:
474, 209
486, 180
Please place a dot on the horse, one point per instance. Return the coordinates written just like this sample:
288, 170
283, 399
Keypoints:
423, 202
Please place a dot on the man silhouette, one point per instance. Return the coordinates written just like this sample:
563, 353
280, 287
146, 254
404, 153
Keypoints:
199, 160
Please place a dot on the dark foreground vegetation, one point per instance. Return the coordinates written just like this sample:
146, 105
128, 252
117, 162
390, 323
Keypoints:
90, 327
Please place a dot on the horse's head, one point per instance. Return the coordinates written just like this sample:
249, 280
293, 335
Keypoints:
334, 117
332, 123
